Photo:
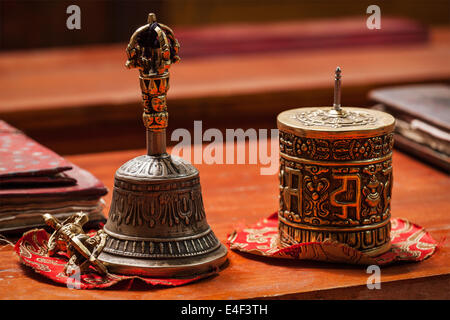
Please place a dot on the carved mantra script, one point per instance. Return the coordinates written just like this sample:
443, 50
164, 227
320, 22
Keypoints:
291, 189
344, 205
340, 196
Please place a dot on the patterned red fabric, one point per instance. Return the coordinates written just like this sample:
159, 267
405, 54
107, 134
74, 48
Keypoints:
410, 242
32, 250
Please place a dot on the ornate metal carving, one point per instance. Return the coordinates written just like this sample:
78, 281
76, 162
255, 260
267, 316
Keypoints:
334, 196
323, 118
81, 248
197, 245
347, 149
157, 205
152, 49
355, 195
336, 184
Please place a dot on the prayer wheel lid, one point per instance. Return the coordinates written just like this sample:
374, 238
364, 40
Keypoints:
335, 121
320, 122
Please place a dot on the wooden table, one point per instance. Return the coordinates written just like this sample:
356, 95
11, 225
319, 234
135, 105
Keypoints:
235, 195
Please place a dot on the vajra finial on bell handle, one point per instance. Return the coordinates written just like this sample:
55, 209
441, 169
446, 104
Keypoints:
152, 49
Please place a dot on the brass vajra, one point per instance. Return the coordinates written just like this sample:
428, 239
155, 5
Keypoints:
69, 237
152, 49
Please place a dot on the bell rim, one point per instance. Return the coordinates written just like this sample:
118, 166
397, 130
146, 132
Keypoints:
166, 268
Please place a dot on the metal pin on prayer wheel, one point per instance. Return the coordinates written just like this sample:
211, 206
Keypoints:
336, 175
157, 224
337, 90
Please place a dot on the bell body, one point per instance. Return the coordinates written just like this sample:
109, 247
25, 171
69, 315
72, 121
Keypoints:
157, 224
336, 177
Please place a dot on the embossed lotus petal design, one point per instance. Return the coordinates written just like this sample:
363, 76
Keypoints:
324, 118
148, 167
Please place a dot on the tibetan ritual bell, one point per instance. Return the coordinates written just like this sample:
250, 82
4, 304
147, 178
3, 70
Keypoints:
336, 175
157, 224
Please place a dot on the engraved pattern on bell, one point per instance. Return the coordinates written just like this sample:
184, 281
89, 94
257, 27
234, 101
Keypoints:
200, 244
146, 166
327, 119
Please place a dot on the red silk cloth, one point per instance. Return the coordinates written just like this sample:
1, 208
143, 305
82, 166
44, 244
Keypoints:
409, 242
32, 250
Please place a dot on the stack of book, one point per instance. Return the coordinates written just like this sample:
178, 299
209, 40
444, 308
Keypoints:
34, 180
422, 115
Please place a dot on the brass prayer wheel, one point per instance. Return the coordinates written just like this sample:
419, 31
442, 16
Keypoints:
157, 224
336, 175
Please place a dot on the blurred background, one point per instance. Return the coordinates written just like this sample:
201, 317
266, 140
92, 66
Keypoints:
242, 62
38, 24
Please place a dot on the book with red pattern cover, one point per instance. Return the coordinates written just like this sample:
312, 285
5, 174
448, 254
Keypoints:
24, 159
35, 180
